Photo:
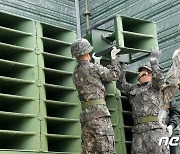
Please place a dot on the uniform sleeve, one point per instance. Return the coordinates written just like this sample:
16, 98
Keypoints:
159, 83
172, 81
108, 74
157, 75
122, 84
173, 75
174, 114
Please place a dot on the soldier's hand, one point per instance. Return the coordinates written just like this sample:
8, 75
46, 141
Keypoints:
96, 59
170, 130
123, 65
162, 118
155, 52
176, 53
114, 52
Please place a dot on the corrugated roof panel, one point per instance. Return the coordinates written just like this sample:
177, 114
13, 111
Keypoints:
58, 13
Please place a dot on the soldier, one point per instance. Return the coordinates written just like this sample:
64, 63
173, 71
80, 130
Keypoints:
173, 121
145, 101
171, 86
97, 131
172, 80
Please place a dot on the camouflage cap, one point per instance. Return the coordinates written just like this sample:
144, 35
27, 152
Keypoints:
80, 47
145, 66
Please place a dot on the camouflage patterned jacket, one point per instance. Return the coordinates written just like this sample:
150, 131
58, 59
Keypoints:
144, 98
173, 75
172, 80
174, 114
88, 78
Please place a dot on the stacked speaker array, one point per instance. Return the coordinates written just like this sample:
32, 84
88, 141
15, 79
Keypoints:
135, 36
39, 107
60, 100
19, 125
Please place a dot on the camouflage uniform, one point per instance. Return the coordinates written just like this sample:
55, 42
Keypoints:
97, 130
173, 120
172, 80
145, 101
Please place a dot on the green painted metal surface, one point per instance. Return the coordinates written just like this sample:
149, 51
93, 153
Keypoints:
39, 107
131, 35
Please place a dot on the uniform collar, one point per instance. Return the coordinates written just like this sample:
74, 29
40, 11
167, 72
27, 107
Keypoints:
83, 62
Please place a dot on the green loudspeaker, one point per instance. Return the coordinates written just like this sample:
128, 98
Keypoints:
19, 126
60, 106
129, 34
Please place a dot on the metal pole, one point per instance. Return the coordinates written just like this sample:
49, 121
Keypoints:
78, 25
87, 14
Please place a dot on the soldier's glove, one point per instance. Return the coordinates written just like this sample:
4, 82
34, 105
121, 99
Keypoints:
162, 118
123, 66
170, 130
96, 59
114, 52
176, 53
155, 52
